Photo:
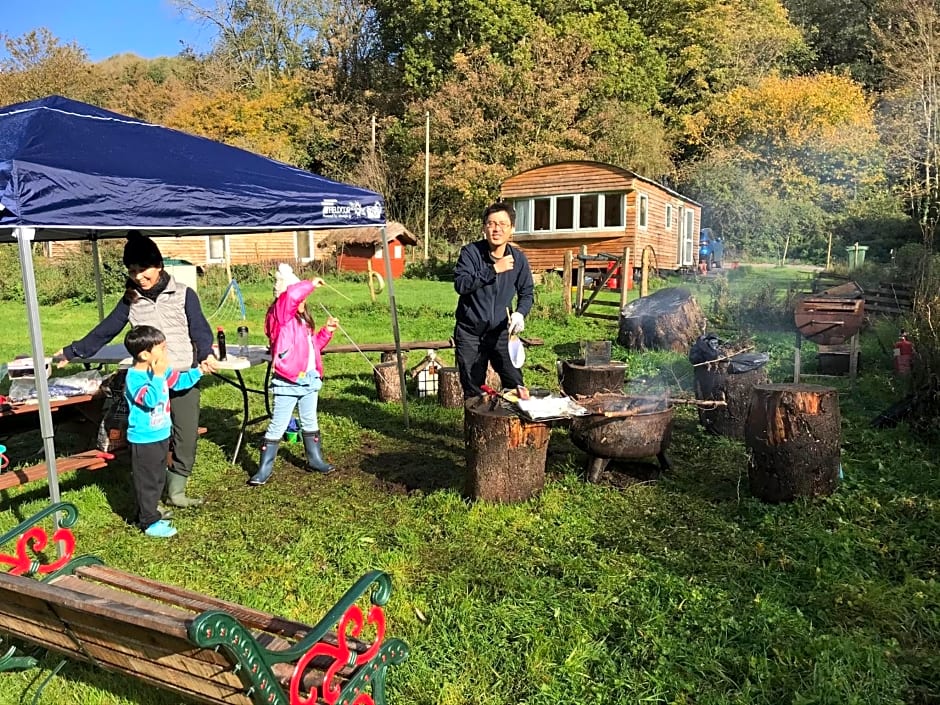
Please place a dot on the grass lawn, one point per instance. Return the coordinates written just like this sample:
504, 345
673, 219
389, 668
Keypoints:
679, 590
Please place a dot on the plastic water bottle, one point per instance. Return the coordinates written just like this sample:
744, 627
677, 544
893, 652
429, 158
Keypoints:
243, 341
220, 337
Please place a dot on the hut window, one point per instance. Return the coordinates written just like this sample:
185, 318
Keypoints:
216, 247
642, 211
302, 244
564, 213
543, 213
613, 210
668, 216
523, 215
587, 211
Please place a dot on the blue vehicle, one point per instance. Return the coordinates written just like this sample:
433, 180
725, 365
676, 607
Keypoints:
710, 250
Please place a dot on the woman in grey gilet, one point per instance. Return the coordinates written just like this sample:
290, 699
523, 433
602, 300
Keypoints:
156, 299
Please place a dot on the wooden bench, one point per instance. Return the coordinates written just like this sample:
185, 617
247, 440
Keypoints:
86, 460
200, 647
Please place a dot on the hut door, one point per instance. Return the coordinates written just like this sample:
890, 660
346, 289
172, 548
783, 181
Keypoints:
686, 229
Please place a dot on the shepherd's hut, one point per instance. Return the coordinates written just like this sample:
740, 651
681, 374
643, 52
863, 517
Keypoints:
562, 206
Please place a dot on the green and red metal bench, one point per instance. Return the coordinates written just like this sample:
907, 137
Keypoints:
200, 647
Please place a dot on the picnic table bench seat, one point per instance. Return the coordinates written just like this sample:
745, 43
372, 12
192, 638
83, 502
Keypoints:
85, 460
204, 648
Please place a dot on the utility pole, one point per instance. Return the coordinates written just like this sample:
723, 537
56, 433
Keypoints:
427, 179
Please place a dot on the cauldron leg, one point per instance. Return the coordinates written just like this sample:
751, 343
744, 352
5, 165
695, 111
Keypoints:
664, 463
595, 468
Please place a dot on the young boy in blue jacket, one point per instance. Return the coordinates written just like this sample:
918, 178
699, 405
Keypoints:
147, 390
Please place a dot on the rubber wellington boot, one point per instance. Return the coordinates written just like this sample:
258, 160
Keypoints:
265, 464
315, 461
176, 491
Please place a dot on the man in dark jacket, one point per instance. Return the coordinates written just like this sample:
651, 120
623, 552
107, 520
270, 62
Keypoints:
489, 273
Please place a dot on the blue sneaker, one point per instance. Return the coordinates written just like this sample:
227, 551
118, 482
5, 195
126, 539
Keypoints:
160, 529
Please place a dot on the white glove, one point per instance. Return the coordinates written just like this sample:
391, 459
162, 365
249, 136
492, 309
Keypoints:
516, 323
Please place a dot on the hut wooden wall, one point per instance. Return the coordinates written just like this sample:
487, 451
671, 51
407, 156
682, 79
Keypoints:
243, 249
546, 250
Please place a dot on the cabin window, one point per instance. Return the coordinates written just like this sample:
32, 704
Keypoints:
613, 210
642, 211
564, 213
543, 213
216, 248
523, 215
303, 245
668, 216
587, 211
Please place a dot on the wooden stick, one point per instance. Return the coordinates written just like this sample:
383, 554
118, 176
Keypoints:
726, 357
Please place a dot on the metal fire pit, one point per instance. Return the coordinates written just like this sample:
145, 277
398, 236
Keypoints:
622, 428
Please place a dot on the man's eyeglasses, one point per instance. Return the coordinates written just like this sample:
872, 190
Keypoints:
497, 225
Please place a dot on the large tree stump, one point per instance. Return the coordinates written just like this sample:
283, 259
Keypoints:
449, 391
713, 382
669, 319
387, 381
505, 454
793, 436
578, 379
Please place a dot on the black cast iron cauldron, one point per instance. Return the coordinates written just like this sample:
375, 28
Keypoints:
622, 428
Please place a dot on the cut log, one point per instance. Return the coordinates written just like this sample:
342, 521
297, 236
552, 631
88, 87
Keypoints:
387, 381
449, 391
714, 382
492, 378
669, 319
505, 454
578, 379
793, 436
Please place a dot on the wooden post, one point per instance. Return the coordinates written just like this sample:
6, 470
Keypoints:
797, 358
645, 272
387, 382
582, 269
449, 391
853, 357
793, 435
369, 277
505, 455
626, 277
566, 281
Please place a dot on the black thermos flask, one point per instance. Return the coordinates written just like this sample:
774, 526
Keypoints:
220, 336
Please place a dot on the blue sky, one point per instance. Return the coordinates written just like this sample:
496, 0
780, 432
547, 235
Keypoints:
148, 28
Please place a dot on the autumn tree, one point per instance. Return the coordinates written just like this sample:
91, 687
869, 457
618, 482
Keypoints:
808, 144
37, 64
277, 123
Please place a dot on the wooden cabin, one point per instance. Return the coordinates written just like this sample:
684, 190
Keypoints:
562, 206
249, 248
356, 247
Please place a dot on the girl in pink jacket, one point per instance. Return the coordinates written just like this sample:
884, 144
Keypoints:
298, 370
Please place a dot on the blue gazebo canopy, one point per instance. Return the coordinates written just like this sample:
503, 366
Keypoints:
74, 171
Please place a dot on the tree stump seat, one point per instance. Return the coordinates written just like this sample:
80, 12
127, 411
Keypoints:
199, 647
793, 436
505, 454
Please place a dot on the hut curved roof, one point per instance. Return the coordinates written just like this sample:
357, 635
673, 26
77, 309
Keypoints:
368, 235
